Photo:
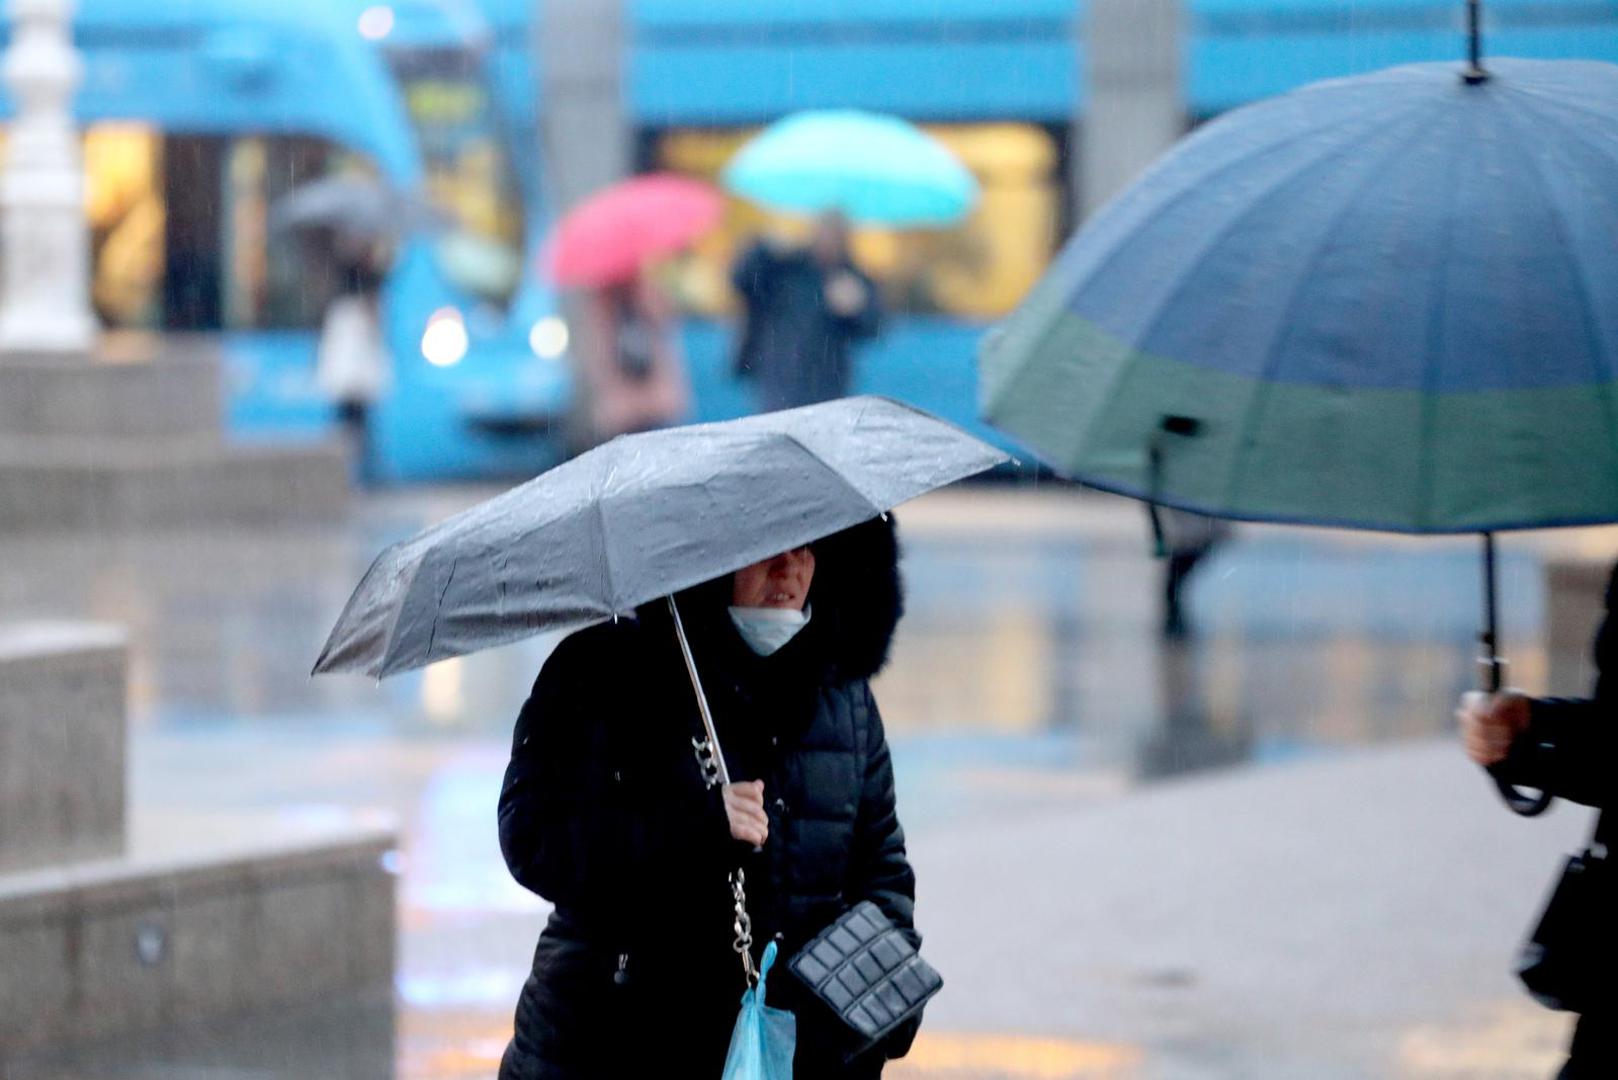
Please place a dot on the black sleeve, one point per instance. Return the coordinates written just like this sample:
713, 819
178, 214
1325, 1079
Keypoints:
1568, 751
880, 869
544, 801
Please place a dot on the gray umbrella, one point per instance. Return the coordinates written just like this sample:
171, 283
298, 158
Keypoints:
638, 518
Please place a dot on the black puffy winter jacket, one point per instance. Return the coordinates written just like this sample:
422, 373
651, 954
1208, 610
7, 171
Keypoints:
604, 813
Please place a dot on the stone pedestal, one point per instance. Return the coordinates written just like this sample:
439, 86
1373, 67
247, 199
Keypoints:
132, 438
112, 923
45, 257
198, 919
61, 743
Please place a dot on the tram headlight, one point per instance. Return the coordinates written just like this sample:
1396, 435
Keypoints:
549, 337
445, 340
376, 22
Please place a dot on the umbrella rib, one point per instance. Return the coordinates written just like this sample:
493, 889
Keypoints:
839, 477
1201, 186
1561, 103
1063, 304
1592, 325
1274, 354
606, 550
1255, 206
438, 609
1082, 450
384, 662
1426, 467
1596, 146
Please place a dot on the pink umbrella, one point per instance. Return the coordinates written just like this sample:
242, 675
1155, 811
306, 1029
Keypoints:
608, 238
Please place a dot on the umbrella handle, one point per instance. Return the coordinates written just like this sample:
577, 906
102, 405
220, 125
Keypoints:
1520, 802
1492, 674
1492, 670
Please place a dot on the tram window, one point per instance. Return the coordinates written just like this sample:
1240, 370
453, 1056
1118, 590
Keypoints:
179, 229
469, 174
125, 208
979, 269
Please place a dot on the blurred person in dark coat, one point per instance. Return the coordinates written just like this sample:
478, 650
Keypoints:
1567, 748
804, 308
1187, 540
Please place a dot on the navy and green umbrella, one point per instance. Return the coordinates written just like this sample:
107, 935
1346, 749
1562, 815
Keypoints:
1385, 302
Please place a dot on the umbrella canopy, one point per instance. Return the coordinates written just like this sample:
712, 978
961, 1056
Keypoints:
640, 517
1386, 302
611, 235
354, 206
873, 169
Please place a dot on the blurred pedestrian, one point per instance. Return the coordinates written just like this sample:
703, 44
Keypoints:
1568, 748
1186, 541
604, 812
633, 366
804, 308
352, 367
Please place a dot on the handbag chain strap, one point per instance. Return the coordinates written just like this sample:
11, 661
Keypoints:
744, 926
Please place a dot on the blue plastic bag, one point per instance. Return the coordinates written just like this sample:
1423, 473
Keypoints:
762, 1045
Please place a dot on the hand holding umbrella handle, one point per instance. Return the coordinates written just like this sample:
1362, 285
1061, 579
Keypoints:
710, 756
1520, 802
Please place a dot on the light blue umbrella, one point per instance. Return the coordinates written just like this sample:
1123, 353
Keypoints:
874, 169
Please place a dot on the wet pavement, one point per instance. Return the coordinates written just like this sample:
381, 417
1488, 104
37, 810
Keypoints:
1028, 680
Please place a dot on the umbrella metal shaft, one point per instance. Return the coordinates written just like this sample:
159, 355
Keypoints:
1490, 664
1475, 72
718, 755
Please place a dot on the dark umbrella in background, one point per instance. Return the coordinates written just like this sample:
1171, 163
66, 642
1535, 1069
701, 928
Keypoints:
638, 518
353, 207
1387, 302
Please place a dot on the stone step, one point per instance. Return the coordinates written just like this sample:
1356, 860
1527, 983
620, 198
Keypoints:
204, 916
133, 388
105, 486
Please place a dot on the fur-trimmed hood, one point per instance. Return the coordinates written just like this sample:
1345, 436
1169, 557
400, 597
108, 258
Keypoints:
856, 600
859, 594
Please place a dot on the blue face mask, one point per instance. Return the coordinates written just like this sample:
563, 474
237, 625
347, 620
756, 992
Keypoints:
767, 629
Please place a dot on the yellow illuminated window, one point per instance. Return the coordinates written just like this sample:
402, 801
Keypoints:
124, 201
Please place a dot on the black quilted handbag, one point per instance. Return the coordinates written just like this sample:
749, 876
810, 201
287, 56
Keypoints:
1566, 963
867, 972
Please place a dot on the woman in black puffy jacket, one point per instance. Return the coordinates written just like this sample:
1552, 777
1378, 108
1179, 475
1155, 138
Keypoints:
604, 812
